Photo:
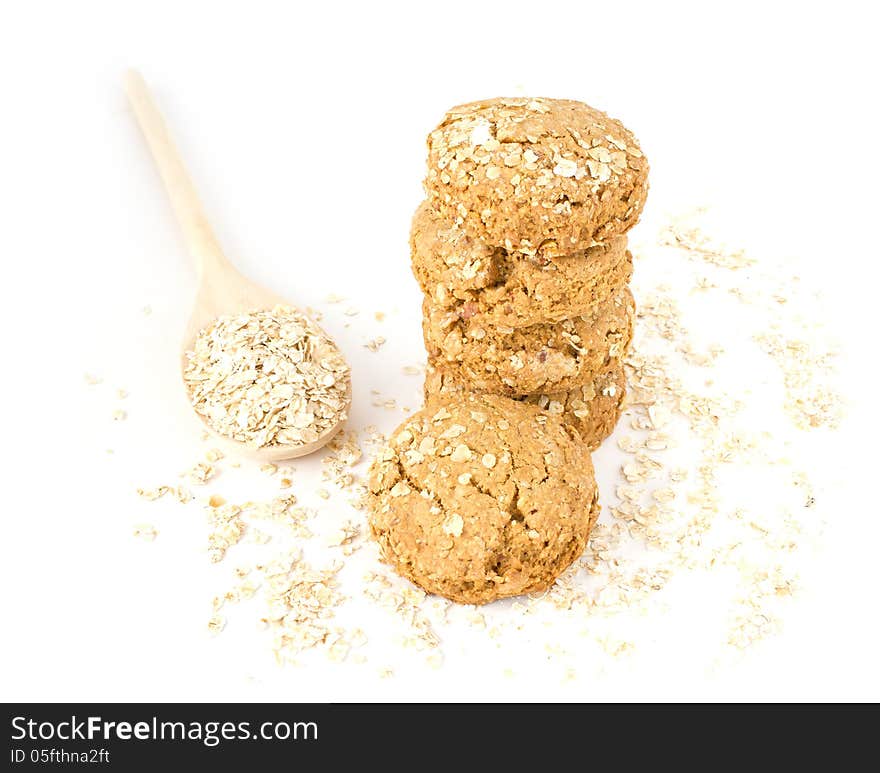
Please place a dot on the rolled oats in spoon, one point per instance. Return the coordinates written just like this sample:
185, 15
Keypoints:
267, 378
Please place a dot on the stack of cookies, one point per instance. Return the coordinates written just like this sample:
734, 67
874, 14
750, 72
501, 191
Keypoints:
520, 250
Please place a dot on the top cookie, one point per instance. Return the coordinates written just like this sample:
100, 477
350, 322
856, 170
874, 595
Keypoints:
522, 171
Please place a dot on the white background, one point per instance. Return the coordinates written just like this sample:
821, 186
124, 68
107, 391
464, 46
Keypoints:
304, 128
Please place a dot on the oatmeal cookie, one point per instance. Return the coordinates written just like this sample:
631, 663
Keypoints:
478, 497
592, 410
512, 289
545, 358
520, 171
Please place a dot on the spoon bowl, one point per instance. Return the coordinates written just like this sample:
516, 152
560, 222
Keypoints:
230, 293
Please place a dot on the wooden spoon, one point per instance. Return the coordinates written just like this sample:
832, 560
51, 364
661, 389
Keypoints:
222, 290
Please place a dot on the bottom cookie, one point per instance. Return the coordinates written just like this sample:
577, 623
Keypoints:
592, 409
479, 497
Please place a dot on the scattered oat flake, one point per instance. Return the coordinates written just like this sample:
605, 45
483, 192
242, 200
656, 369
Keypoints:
200, 473
146, 532
183, 494
151, 494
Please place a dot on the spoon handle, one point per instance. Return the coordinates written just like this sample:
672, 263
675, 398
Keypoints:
185, 201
